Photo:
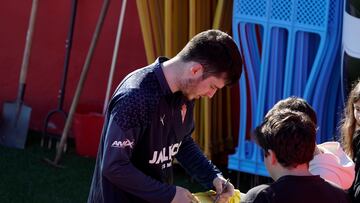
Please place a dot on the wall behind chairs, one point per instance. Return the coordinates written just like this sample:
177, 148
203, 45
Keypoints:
48, 52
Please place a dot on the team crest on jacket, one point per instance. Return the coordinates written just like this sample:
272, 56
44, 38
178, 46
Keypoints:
183, 112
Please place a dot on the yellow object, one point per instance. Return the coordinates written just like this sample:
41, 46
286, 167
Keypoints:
209, 196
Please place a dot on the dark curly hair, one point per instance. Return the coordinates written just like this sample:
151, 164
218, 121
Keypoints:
217, 52
290, 134
294, 103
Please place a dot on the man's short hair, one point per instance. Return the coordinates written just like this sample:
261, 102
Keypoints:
290, 134
217, 52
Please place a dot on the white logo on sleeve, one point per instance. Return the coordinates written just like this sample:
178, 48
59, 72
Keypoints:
123, 144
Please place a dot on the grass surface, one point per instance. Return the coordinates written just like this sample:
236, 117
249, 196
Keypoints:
25, 177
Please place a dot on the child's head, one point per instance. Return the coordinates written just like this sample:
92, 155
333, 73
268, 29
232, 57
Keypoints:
294, 104
290, 135
351, 118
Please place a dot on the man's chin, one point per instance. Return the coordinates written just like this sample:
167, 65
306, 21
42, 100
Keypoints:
192, 97
198, 97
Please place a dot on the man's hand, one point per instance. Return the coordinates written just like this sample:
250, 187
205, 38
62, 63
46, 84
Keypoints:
227, 193
183, 195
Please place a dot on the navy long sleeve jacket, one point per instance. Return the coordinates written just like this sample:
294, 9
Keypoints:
146, 127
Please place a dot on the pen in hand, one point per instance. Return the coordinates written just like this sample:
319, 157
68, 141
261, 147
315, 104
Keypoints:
217, 197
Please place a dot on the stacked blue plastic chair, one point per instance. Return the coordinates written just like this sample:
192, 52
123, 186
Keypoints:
289, 47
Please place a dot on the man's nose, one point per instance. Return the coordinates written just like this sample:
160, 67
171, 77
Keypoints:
211, 93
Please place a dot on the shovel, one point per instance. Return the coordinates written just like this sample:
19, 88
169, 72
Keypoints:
16, 115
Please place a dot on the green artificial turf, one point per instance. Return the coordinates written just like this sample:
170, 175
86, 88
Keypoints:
25, 177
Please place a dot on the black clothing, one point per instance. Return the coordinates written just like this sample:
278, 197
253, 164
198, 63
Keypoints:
297, 189
355, 188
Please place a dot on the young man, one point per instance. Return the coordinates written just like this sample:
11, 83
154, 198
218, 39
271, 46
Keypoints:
288, 140
149, 122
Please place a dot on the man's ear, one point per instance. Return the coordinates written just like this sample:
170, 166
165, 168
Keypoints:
196, 69
272, 157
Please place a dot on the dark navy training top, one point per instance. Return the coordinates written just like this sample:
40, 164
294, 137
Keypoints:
146, 127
